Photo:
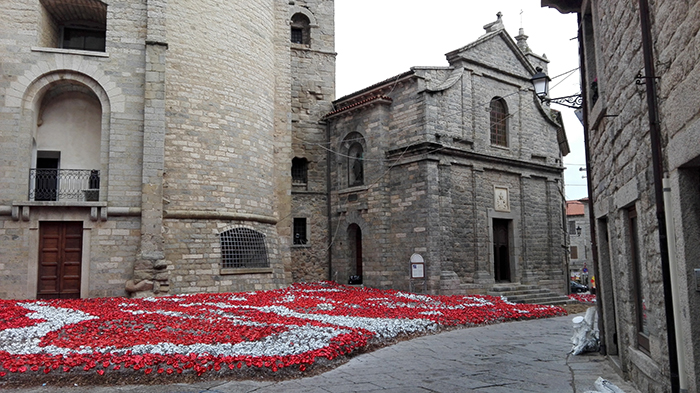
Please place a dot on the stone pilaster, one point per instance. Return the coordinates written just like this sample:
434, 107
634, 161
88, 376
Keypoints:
151, 275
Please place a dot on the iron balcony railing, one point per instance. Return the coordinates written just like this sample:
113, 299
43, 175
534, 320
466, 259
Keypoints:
64, 184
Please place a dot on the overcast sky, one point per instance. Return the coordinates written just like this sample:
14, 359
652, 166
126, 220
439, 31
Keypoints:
378, 39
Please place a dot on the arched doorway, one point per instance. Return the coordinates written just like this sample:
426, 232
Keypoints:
355, 257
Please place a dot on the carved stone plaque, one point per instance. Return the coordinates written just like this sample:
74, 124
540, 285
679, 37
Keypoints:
502, 203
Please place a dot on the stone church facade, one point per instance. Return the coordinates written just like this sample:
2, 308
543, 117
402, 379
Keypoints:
154, 147
639, 72
458, 168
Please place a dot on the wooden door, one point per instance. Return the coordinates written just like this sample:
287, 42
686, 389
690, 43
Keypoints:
501, 251
60, 257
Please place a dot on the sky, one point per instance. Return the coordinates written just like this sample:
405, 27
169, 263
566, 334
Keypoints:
378, 39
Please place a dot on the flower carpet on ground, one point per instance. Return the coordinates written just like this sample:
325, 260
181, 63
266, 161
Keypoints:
198, 333
583, 298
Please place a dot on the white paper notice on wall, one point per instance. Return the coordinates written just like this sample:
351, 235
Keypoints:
417, 266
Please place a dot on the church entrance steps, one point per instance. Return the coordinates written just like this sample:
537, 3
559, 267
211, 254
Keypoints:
530, 294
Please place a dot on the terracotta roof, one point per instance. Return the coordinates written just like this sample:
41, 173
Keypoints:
575, 208
382, 99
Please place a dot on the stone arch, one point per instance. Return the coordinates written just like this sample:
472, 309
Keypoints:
304, 11
28, 87
351, 158
355, 235
40, 92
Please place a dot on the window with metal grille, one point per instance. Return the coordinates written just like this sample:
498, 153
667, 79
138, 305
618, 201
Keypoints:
300, 167
499, 122
297, 35
300, 236
572, 228
243, 247
300, 28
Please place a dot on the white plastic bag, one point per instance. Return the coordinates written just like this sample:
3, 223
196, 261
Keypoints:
585, 337
605, 386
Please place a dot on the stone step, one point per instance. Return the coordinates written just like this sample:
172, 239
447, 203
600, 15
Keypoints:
528, 294
518, 292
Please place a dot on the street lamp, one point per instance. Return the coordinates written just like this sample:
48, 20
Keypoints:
540, 81
578, 231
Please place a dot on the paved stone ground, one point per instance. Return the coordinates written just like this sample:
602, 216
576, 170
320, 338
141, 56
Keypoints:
527, 356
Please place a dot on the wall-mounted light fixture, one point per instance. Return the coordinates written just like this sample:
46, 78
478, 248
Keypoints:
578, 231
541, 83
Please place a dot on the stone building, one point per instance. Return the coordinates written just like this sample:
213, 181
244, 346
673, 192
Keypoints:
579, 230
147, 145
155, 147
449, 179
640, 72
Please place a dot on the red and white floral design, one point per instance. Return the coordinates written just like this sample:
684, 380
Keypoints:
583, 298
273, 329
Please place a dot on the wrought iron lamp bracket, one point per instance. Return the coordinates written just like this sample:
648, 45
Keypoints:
574, 101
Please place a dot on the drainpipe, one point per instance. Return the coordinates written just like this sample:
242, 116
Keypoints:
328, 201
589, 179
655, 133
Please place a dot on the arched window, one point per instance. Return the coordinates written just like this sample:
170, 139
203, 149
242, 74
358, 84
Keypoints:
243, 247
499, 122
356, 170
300, 26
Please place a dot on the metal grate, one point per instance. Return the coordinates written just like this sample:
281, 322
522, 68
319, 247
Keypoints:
499, 114
297, 35
243, 247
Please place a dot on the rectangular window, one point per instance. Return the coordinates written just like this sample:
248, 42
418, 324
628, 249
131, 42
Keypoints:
300, 169
297, 35
641, 297
574, 252
83, 39
300, 235
572, 228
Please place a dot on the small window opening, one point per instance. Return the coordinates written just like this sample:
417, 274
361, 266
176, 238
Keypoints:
300, 29
243, 248
300, 235
300, 169
297, 35
80, 25
83, 39
499, 122
574, 252
356, 170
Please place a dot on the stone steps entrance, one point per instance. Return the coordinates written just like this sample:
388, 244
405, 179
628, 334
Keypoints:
530, 294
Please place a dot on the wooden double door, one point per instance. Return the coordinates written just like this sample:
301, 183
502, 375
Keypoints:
60, 259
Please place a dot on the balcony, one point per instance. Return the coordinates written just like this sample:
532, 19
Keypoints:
80, 185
